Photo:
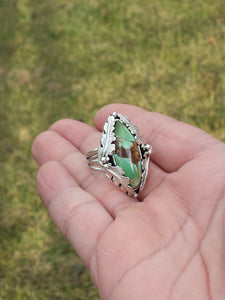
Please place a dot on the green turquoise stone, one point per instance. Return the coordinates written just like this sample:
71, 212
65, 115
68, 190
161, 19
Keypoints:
127, 154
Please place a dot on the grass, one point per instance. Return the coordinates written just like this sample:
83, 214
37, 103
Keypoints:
63, 58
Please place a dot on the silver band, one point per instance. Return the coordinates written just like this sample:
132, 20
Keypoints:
92, 157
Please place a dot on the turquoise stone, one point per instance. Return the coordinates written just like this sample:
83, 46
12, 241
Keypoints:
127, 154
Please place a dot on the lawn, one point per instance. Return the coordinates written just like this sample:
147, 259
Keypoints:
66, 59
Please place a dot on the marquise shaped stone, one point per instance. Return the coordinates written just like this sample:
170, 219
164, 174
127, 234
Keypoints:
127, 154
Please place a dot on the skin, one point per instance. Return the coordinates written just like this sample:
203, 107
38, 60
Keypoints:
168, 245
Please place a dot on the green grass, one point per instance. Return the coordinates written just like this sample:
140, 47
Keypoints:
63, 58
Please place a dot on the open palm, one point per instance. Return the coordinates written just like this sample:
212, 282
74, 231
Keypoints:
171, 244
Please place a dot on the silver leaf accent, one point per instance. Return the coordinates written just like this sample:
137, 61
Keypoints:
118, 174
107, 138
133, 129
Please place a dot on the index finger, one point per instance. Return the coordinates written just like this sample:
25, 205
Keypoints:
174, 143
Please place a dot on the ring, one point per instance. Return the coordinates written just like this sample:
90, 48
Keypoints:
122, 155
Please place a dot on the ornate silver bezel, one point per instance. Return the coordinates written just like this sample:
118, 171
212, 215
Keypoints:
107, 149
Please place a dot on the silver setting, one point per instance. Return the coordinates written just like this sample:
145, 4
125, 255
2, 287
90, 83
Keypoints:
101, 158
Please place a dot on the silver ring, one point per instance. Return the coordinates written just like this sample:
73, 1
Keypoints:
122, 155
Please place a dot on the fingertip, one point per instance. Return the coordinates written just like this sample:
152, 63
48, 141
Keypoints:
51, 178
38, 141
63, 123
74, 131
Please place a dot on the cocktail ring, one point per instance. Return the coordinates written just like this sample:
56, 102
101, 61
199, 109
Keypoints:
122, 155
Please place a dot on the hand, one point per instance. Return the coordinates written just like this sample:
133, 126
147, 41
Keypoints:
169, 246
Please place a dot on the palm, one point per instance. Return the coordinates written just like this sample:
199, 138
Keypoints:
170, 245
